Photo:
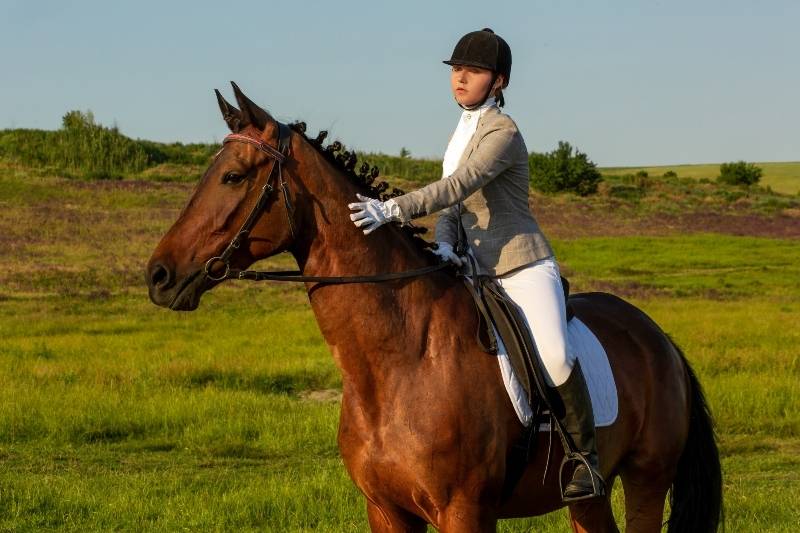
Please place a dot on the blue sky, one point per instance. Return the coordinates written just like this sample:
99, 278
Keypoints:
628, 82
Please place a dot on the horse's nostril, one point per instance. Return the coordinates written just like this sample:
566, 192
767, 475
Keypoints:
159, 276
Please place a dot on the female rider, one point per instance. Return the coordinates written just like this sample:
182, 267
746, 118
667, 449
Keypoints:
485, 182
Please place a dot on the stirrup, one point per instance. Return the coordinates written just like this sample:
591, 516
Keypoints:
598, 485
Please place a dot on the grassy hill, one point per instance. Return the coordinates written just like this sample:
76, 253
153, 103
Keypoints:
84, 149
780, 177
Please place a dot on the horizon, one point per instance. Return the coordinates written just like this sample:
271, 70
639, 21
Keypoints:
427, 158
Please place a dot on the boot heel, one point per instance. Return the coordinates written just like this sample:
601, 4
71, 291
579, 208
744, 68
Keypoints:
598, 484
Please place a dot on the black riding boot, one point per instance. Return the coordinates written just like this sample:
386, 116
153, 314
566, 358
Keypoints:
577, 418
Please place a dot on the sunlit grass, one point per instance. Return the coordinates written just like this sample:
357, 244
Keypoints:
118, 415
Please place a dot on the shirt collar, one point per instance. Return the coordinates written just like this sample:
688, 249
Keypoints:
468, 114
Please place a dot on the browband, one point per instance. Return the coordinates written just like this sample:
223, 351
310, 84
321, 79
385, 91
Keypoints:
258, 143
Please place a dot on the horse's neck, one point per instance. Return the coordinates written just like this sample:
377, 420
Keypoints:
366, 325
328, 243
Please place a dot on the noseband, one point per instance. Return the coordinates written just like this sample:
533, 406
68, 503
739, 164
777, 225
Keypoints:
278, 156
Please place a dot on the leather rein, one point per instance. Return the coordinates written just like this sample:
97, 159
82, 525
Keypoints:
278, 157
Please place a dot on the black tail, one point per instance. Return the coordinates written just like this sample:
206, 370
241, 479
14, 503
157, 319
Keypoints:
696, 495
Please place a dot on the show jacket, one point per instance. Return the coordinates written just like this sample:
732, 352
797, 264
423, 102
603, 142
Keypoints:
490, 190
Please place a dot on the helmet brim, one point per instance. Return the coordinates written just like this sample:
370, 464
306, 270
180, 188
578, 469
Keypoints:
468, 64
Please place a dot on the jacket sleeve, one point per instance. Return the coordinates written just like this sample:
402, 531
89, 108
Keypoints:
493, 154
447, 225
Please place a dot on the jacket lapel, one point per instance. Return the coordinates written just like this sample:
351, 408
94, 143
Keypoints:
478, 134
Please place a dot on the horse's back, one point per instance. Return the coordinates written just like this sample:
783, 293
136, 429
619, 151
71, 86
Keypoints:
651, 378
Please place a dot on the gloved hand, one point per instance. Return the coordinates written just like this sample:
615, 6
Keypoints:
373, 213
445, 251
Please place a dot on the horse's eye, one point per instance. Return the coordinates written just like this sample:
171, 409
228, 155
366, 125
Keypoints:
232, 177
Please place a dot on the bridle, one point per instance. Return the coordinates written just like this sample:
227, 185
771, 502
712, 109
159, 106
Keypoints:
278, 156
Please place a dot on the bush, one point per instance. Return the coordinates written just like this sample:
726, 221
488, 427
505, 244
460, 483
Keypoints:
670, 174
625, 192
407, 168
561, 170
99, 152
739, 173
82, 148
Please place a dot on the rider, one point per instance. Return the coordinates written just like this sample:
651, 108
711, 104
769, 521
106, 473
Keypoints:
485, 182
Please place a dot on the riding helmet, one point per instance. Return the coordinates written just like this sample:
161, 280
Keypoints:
484, 49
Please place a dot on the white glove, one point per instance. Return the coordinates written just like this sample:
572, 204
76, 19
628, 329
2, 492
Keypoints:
445, 251
373, 213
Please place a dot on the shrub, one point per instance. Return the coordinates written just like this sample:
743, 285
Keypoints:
739, 173
641, 181
561, 170
670, 174
98, 151
407, 168
82, 148
625, 192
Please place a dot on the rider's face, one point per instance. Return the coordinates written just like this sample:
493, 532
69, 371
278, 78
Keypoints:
469, 83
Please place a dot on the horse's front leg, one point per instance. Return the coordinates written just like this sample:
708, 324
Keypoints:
467, 518
392, 519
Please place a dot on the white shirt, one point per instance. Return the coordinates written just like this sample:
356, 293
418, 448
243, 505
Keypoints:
465, 129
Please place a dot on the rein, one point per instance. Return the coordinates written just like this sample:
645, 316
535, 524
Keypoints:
278, 156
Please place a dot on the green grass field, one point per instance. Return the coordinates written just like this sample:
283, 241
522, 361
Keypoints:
781, 177
118, 415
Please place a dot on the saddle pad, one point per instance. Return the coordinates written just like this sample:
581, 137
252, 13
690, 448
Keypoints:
596, 370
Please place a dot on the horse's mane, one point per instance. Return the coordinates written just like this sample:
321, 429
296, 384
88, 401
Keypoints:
346, 161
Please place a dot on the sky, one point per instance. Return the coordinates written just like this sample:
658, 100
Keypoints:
629, 82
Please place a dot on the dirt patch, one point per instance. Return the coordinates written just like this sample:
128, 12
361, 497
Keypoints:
636, 290
321, 396
628, 289
131, 185
572, 221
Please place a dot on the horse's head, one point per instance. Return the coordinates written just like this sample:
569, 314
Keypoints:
179, 271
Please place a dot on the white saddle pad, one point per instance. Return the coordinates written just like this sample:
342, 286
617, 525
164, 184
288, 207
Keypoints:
596, 370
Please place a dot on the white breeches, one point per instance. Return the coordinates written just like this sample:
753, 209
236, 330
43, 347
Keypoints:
537, 290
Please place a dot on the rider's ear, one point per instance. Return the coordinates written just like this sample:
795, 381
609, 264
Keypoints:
231, 115
251, 113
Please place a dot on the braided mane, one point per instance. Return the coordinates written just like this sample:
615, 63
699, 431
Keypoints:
346, 162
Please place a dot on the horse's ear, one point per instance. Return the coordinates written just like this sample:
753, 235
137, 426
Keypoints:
231, 115
251, 113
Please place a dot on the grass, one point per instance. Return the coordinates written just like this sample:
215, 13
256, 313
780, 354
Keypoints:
782, 177
117, 415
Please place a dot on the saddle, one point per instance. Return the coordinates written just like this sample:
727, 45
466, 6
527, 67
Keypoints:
496, 308
496, 311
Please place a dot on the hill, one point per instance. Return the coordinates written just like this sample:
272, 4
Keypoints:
780, 177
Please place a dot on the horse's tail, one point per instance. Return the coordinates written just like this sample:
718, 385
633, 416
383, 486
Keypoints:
696, 494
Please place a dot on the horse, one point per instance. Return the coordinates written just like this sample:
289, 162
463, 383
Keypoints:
426, 426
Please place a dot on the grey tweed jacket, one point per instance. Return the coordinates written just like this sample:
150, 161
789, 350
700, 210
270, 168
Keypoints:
489, 190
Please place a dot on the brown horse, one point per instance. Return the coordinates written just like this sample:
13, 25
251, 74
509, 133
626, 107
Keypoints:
426, 426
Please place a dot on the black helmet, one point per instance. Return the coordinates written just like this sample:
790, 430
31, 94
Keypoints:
483, 49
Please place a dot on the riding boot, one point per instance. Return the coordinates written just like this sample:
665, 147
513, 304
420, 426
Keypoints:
577, 418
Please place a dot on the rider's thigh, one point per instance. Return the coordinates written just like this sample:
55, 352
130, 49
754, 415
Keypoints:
537, 290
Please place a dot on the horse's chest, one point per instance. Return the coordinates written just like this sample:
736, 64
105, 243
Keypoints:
401, 459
